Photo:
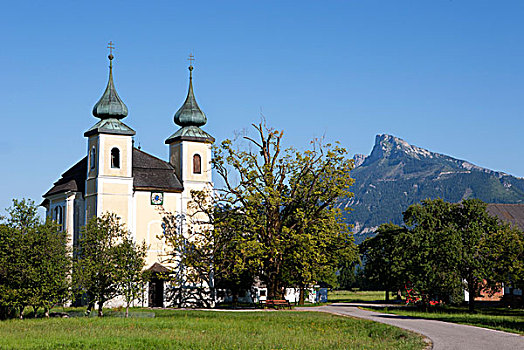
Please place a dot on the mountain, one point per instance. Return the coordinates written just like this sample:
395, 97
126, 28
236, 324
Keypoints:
397, 174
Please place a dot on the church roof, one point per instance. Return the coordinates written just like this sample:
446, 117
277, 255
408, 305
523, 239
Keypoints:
152, 173
190, 133
149, 174
510, 213
73, 180
110, 126
159, 268
110, 104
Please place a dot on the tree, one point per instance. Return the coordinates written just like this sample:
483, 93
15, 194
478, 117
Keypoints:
34, 260
447, 247
506, 257
278, 210
429, 249
131, 259
14, 293
212, 250
316, 253
50, 260
474, 248
103, 254
383, 258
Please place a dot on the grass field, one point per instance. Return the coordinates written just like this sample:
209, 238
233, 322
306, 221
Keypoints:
347, 296
509, 320
179, 329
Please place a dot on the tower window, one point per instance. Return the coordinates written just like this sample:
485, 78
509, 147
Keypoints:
197, 166
115, 158
92, 158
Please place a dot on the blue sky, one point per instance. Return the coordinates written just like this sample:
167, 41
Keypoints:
444, 75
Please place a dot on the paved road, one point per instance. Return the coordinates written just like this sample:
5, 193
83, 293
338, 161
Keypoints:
444, 335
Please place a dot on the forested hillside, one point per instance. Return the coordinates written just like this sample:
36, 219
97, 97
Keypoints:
397, 174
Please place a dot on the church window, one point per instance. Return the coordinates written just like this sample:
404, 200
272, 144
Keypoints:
92, 158
115, 158
197, 166
59, 216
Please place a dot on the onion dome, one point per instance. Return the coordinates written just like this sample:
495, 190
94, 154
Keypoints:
110, 105
190, 114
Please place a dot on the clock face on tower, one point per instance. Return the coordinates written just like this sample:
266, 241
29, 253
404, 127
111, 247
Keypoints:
157, 198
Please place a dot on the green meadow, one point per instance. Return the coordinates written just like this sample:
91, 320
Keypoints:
181, 329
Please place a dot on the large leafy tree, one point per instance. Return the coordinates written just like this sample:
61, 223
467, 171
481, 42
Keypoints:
475, 248
446, 247
383, 258
429, 251
106, 261
277, 216
316, 253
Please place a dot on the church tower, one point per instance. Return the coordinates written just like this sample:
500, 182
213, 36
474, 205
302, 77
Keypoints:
190, 146
109, 182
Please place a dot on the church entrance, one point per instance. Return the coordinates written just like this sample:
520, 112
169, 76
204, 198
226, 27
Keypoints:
156, 292
159, 275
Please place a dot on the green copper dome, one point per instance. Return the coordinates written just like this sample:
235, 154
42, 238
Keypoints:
110, 105
190, 114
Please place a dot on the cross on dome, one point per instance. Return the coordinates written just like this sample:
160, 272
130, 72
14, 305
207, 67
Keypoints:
110, 46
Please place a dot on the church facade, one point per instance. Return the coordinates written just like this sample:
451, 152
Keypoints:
114, 176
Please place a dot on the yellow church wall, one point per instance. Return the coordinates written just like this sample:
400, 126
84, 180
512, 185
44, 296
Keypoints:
116, 204
113, 188
148, 224
204, 150
124, 144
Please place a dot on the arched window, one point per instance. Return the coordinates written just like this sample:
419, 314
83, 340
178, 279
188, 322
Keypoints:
197, 166
115, 158
92, 158
59, 216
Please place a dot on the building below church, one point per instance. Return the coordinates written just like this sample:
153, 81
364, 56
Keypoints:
116, 177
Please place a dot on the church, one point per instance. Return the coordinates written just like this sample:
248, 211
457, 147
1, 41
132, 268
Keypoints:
114, 176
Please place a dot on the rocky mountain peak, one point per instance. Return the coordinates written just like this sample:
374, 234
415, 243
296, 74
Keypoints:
389, 146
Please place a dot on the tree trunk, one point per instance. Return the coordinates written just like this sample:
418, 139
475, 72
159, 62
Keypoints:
472, 289
46, 312
235, 298
301, 296
21, 308
387, 296
90, 307
35, 311
127, 310
100, 308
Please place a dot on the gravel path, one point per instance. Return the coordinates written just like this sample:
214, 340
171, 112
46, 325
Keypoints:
444, 335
